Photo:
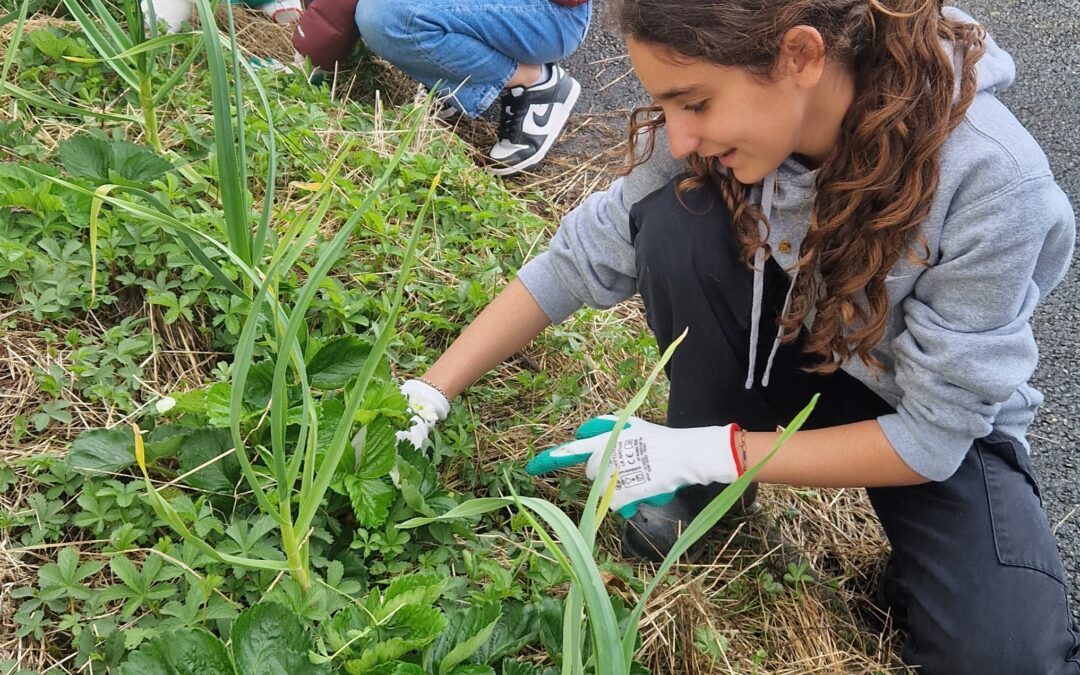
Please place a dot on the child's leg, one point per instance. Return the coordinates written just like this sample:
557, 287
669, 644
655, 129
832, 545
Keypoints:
978, 577
470, 50
981, 576
691, 274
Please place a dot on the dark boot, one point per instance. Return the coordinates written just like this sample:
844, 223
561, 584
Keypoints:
890, 593
650, 534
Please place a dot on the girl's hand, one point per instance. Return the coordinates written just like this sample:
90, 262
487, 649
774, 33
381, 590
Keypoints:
653, 461
428, 407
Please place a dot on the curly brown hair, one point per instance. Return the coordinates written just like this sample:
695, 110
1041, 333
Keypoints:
875, 188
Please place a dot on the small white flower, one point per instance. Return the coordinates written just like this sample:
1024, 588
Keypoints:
165, 404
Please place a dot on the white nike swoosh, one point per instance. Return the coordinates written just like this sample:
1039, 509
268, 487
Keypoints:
530, 127
504, 149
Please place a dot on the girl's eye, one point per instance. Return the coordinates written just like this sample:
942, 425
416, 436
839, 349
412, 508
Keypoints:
696, 107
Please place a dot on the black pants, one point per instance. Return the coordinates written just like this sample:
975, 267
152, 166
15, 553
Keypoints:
976, 571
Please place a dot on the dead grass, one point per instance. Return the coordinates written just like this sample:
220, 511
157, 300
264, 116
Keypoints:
179, 360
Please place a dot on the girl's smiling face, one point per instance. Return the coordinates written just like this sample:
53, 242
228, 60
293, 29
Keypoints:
751, 124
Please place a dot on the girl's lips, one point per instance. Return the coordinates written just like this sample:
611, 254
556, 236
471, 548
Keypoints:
727, 157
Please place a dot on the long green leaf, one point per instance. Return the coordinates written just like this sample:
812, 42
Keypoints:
63, 108
13, 44
573, 634
573, 655
704, 522
333, 455
605, 628
167, 87
119, 36
602, 623
136, 33
241, 140
286, 254
233, 191
25, 9
95, 211
193, 248
167, 513
155, 216
141, 48
108, 46
244, 350
470, 509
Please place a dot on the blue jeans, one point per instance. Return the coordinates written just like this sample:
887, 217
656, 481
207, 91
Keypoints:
468, 50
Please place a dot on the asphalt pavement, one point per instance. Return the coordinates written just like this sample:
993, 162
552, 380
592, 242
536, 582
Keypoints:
1043, 37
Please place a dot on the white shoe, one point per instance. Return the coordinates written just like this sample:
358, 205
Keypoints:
531, 120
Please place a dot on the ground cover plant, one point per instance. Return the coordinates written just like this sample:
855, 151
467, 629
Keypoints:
209, 273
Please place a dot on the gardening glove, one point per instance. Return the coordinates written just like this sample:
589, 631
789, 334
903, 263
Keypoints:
653, 461
172, 12
428, 407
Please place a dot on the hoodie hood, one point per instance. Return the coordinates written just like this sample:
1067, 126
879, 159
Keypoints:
786, 197
995, 70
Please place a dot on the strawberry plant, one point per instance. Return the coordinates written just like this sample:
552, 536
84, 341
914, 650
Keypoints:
611, 648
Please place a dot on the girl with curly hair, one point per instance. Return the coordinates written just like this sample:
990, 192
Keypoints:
829, 198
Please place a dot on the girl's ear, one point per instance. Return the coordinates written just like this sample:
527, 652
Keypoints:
802, 55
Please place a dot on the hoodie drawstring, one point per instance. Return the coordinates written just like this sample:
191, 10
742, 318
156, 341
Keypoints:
779, 331
767, 190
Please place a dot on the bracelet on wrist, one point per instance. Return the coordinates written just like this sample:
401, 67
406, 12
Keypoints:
435, 387
742, 449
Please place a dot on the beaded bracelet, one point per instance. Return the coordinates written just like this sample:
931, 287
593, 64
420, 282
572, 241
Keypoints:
742, 448
435, 387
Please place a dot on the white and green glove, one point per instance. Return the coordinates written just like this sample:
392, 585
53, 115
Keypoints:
653, 461
173, 12
428, 407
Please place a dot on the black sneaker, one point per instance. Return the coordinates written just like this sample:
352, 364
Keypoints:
530, 121
891, 595
650, 534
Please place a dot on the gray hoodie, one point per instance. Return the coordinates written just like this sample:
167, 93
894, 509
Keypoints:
958, 350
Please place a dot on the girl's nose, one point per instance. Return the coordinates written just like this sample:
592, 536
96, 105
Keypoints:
682, 140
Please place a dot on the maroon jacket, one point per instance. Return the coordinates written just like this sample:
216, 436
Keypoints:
327, 33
